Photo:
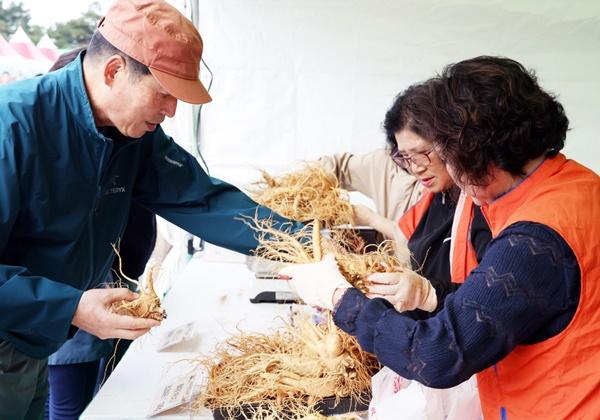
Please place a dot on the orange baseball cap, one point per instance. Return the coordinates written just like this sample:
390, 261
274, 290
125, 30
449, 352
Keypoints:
157, 35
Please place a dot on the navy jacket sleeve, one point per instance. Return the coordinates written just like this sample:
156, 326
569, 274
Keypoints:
525, 290
174, 186
35, 311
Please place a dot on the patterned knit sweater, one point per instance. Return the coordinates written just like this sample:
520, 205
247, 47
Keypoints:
525, 290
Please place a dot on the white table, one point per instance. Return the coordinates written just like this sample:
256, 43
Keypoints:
213, 294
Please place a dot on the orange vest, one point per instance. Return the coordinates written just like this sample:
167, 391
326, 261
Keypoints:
463, 258
558, 378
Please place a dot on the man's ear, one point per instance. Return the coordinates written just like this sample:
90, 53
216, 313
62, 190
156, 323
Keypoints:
114, 67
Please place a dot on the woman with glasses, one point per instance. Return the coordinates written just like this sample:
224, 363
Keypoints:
427, 227
416, 205
527, 319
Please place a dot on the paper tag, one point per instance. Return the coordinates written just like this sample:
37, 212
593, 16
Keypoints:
181, 391
177, 335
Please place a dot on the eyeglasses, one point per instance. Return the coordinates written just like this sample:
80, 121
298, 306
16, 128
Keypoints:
419, 159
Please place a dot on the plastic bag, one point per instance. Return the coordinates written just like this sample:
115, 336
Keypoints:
397, 398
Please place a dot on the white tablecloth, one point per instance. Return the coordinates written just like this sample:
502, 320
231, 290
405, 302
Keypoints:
215, 295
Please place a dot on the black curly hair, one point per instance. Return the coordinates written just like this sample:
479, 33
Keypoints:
413, 109
491, 111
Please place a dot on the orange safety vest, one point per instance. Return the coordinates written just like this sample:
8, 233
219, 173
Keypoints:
558, 378
463, 257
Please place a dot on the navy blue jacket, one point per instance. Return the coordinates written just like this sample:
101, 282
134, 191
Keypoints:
64, 199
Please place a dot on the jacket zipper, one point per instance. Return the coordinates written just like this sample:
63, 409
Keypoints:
103, 169
101, 172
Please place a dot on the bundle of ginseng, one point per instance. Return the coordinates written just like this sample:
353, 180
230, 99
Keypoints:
287, 374
309, 194
304, 195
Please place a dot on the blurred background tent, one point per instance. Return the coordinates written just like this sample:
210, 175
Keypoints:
47, 47
29, 60
13, 65
5, 49
22, 44
40, 31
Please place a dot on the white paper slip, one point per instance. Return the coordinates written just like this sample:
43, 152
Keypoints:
182, 391
177, 335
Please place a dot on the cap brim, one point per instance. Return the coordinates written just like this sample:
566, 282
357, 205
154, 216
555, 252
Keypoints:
190, 91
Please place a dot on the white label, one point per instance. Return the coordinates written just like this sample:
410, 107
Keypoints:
177, 335
181, 391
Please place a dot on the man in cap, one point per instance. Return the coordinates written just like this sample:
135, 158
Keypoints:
76, 147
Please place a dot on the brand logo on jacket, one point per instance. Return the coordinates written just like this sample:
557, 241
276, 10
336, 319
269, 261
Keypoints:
114, 189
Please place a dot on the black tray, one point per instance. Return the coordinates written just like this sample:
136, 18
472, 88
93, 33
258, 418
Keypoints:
327, 407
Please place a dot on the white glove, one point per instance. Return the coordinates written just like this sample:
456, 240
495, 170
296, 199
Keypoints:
406, 290
316, 283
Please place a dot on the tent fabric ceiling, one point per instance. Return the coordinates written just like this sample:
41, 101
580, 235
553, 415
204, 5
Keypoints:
298, 79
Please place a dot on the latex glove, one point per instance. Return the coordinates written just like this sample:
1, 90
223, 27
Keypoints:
406, 290
316, 283
94, 316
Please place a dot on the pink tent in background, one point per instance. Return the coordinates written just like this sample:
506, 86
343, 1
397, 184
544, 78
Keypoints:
48, 48
24, 46
13, 65
5, 48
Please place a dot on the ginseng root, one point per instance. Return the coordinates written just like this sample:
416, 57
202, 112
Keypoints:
285, 374
147, 305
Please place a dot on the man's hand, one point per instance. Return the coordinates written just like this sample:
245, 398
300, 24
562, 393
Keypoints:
94, 316
406, 290
316, 283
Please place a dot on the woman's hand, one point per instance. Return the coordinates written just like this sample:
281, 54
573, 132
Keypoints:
405, 290
316, 283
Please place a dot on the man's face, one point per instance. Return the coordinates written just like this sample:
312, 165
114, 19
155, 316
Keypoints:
139, 104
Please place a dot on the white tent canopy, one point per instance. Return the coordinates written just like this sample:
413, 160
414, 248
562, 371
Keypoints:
6, 50
35, 62
47, 47
15, 64
21, 42
298, 79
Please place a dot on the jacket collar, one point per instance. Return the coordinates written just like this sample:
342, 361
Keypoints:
73, 89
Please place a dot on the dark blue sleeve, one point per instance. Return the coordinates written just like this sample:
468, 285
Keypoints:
173, 185
35, 312
525, 290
